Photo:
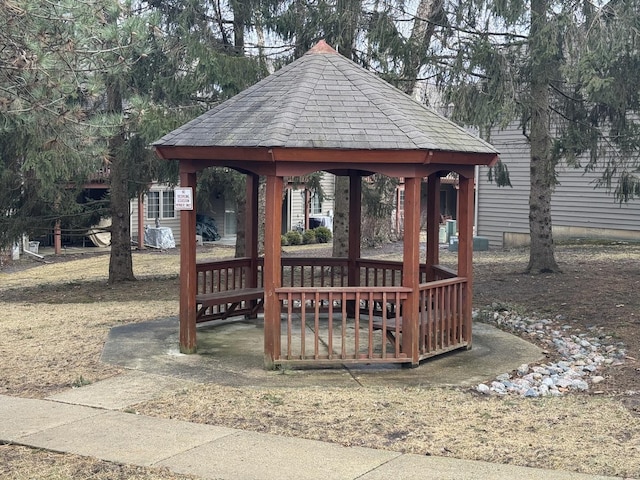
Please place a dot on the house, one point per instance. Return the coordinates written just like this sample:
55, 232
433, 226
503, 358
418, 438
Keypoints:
158, 203
295, 199
578, 208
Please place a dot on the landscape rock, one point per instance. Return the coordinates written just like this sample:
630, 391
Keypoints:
580, 356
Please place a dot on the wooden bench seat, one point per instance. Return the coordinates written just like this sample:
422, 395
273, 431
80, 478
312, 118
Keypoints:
231, 299
390, 328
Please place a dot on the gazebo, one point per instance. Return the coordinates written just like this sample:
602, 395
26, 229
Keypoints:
325, 113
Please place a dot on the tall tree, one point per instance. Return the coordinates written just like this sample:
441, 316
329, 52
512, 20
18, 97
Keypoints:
606, 77
508, 61
54, 132
428, 14
91, 84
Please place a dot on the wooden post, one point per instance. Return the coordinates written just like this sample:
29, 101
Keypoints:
465, 251
188, 280
272, 274
141, 221
355, 232
411, 270
251, 223
355, 222
251, 231
433, 224
57, 238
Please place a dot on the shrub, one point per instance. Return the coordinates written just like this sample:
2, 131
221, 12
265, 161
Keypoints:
323, 234
293, 237
283, 240
308, 237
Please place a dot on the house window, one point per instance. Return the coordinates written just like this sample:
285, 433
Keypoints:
315, 205
167, 204
160, 205
401, 201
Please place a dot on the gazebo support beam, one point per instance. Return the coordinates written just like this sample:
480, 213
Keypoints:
355, 222
272, 271
465, 249
188, 279
433, 224
251, 230
251, 224
411, 270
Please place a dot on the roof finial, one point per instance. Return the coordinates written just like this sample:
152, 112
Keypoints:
322, 47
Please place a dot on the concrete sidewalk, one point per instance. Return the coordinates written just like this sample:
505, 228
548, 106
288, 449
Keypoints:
222, 453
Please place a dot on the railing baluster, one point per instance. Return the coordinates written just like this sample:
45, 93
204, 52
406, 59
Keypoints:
289, 323
330, 331
316, 345
370, 301
384, 324
398, 313
343, 353
303, 323
357, 325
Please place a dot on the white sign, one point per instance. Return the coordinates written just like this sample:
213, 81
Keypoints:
183, 198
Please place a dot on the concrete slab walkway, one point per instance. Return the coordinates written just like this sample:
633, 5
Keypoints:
213, 452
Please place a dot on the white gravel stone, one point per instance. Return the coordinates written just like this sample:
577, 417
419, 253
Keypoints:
482, 388
580, 356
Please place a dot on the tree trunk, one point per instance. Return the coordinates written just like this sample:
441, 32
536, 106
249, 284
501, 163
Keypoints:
542, 168
428, 12
348, 12
341, 218
120, 260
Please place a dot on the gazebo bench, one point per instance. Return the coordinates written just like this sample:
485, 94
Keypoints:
231, 299
390, 328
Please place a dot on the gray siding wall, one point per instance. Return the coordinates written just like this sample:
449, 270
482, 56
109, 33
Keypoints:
505, 209
578, 208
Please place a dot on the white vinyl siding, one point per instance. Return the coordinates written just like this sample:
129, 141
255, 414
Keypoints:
172, 222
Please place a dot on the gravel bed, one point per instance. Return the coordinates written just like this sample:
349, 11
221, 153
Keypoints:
582, 357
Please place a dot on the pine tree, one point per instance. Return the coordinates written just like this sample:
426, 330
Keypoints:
86, 85
53, 134
531, 62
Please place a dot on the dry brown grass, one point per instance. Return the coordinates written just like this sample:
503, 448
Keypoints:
22, 463
579, 433
55, 319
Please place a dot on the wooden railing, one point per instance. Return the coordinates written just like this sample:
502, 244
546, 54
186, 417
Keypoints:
442, 272
222, 276
314, 272
344, 334
442, 316
327, 321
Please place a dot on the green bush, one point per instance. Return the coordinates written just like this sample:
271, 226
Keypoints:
283, 240
323, 234
293, 237
308, 237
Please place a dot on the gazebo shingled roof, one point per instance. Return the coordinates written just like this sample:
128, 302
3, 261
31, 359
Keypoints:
324, 112
324, 101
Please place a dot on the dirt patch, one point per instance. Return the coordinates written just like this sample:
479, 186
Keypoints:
55, 318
